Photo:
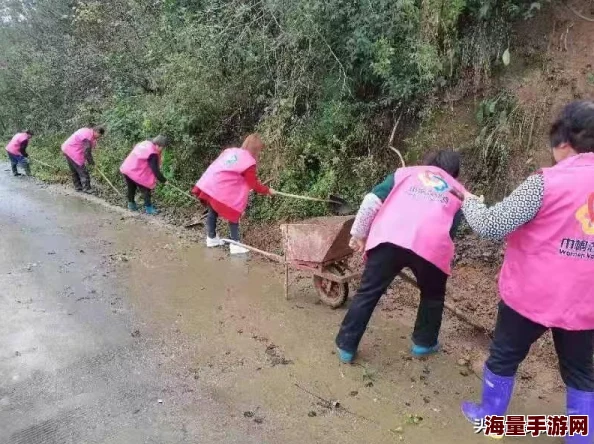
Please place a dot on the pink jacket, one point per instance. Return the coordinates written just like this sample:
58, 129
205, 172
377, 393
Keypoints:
136, 165
74, 145
14, 146
418, 215
548, 271
223, 179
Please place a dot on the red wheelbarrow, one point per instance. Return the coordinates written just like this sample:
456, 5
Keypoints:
319, 246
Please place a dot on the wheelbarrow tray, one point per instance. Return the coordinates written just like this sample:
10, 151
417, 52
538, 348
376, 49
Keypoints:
317, 241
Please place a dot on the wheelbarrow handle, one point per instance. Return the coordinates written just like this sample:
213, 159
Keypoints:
297, 196
269, 255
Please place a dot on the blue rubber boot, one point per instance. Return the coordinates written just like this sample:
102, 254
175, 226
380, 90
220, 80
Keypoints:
132, 206
151, 210
345, 356
497, 393
418, 351
580, 403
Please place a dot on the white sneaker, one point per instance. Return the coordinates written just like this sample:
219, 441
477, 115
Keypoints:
212, 242
236, 249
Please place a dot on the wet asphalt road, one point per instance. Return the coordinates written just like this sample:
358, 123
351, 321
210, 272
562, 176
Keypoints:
73, 367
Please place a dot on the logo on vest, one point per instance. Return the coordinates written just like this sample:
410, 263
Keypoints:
581, 248
231, 160
585, 216
434, 181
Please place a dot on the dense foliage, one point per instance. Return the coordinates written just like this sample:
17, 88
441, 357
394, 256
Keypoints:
323, 80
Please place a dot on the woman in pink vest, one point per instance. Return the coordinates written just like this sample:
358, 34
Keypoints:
547, 277
78, 150
17, 152
225, 186
142, 170
407, 221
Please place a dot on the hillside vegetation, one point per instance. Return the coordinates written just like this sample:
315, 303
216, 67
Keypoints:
326, 82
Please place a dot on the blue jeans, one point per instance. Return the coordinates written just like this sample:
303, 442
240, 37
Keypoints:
211, 226
19, 160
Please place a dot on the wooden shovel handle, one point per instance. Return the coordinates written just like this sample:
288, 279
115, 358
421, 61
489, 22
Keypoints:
297, 196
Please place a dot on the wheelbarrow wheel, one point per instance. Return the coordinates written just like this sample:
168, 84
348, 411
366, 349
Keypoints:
331, 293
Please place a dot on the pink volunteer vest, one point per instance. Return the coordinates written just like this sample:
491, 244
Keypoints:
136, 165
418, 215
548, 271
223, 179
14, 146
73, 147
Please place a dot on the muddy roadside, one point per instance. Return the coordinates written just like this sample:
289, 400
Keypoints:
472, 290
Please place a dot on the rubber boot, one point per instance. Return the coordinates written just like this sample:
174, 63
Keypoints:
15, 171
132, 206
27, 168
580, 403
150, 210
497, 393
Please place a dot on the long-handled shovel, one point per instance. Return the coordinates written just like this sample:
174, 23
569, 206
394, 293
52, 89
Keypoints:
108, 181
337, 204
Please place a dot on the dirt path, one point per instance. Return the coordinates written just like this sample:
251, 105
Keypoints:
118, 330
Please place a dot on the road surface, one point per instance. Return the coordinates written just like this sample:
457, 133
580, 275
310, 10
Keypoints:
119, 330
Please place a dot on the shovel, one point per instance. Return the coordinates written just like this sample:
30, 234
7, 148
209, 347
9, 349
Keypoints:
336, 204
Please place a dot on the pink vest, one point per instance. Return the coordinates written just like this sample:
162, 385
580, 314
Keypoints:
223, 179
74, 146
14, 146
418, 215
548, 271
136, 165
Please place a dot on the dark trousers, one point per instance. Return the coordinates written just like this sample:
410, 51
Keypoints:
514, 335
384, 263
211, 226
132, 187
19, 160
80, 175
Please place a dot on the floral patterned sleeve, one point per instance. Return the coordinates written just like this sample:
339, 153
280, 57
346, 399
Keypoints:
520, 207
367, 211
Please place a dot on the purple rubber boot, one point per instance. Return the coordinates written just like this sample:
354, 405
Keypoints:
497, 393
580, 403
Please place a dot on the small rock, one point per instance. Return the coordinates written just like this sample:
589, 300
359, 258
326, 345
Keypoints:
240, 331
426, 399
354, 393
462, 362
17, 353
82, 251
407, 404
258, 420
312, 414
464, 372
369, 384
336, 404
398, 430
422, 378
160, 401
136, 334
248, 414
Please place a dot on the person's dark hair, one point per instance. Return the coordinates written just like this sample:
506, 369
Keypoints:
162, 141
99, 129
447, 160
575, 126
29, 132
